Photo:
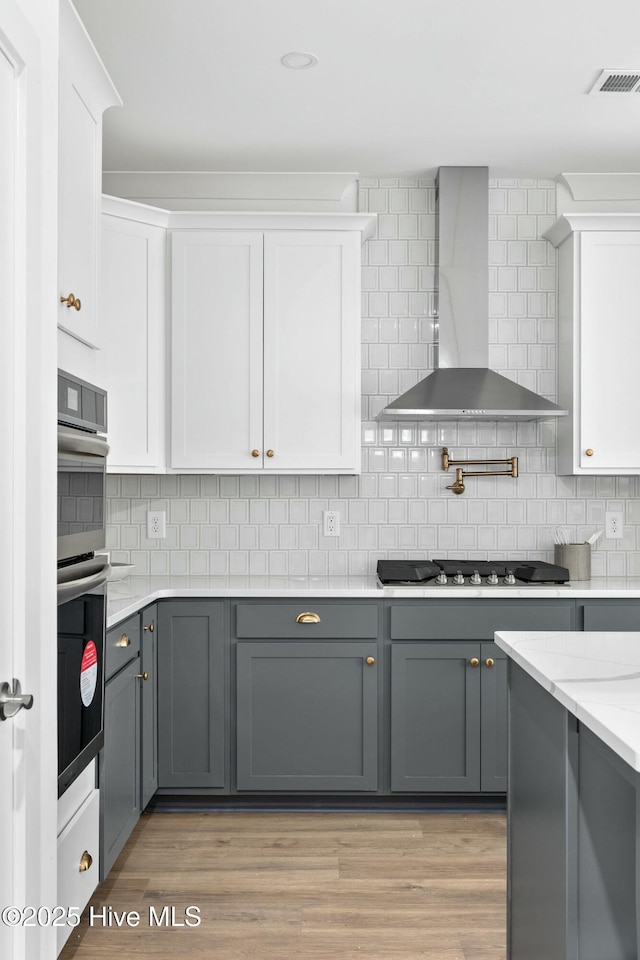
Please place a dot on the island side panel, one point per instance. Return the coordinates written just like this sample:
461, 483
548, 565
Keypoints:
542, 816
606, 853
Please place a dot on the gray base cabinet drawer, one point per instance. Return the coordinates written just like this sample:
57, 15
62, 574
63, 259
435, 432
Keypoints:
307, 716
123, 643
477, 620
307, 620
611, 615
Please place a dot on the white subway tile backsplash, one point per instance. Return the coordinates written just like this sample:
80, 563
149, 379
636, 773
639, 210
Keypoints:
399, 506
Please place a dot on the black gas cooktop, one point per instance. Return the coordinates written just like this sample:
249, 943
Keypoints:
459, 573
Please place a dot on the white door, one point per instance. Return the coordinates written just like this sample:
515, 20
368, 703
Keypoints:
27, 480
216, 350
311, 351
609, 351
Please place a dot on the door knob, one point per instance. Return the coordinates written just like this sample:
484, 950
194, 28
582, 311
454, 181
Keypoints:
489, 662
474, 662
12, 699
370, 661
150, 627
142, 676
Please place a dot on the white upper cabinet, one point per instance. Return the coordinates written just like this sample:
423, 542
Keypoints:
311, 352
265, 349
85, 93
132, 316
598, 342
216, 350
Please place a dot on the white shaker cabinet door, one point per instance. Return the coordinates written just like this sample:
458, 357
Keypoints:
311, 351
85, 92
132, 359
216, 350
609, 339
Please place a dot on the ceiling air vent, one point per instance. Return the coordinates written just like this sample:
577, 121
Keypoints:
617, 81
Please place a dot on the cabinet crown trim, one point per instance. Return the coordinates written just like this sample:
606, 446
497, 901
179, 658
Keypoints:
364, 223
570, 223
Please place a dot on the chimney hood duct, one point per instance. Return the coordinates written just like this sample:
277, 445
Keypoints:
463, 387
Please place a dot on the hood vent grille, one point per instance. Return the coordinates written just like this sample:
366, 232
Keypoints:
616, 81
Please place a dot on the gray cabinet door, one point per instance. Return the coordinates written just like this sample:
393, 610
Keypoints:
119, 764
493, 718
149, 705
307, 715
191, 690
435, 709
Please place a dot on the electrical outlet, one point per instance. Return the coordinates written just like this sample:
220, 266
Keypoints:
331, 519
613, 524
156, 524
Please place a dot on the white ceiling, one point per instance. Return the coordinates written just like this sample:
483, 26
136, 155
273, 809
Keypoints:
402, 86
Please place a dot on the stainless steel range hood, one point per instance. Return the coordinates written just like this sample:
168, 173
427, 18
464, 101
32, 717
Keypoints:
463, 387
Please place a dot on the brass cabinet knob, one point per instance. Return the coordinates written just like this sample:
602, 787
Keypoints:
589, 452
150, 627
489, 662
124, 641
142, 676
370, 661
307, 617
474, 662
270, 453
255, 453
71, 301
85, 862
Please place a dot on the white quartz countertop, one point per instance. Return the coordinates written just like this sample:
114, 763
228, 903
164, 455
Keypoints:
596, 676
126, 597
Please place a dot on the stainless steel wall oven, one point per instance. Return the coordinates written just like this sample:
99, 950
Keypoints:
82, 575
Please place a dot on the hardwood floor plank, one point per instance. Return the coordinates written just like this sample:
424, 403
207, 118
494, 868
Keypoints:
317, 886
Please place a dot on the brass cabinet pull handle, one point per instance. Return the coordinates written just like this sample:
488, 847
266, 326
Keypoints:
270, 453
370, 661
589, 452
150, 627
255, 453
489, 662
71, 301
124, 641
474, 662
142, 676
307, 617
85, 862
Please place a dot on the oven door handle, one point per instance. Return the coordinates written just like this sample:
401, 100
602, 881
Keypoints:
76, 441
71, 589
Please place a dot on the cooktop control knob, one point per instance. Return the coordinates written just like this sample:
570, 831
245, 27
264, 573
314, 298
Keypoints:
441, 579
509, 579
492, 578
475, 578
458, 579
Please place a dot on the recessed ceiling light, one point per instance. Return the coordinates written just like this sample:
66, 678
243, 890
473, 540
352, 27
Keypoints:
298, 61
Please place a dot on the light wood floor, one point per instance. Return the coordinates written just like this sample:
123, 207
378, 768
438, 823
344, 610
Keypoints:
308, 886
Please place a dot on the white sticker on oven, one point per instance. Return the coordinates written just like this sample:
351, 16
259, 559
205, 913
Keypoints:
88, 673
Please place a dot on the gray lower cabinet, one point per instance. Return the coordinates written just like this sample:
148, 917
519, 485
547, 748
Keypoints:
149, 705
609, 614
119, 766
191, 694
128, 761
449, 690
307, 715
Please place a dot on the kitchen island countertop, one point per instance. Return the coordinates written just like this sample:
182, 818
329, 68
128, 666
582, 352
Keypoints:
595, 676
128, 596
